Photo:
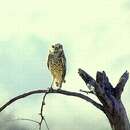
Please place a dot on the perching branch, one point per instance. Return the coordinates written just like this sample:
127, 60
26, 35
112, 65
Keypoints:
64, 92
97, 105
21, 96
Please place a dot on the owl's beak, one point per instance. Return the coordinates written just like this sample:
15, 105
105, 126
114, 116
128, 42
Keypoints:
51, 50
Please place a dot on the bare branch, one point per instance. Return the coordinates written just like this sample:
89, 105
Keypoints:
68, 93
87, 78
121, 84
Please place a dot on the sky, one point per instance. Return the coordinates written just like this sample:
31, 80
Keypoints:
95, 36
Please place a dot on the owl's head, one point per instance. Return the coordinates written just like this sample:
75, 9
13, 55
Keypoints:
56, 48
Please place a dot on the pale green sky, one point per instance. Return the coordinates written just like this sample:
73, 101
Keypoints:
95, 36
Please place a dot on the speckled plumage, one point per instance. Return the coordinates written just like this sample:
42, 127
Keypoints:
57, 64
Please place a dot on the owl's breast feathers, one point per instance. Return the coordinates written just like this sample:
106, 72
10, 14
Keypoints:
57, 65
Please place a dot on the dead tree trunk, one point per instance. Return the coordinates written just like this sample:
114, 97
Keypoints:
110, 98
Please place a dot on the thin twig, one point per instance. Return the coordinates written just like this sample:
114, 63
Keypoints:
25, 119
41, 113
86, 91
46, 124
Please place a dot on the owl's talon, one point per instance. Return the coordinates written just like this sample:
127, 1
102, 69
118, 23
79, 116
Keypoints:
58, 89
50, 89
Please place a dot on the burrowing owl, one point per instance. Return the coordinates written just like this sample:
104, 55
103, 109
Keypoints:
57, 64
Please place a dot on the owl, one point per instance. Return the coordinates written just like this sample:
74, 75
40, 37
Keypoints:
57, 64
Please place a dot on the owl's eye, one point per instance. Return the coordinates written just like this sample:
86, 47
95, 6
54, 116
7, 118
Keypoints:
53, 46
61, 46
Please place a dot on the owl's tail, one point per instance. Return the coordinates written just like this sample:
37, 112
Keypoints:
60, 83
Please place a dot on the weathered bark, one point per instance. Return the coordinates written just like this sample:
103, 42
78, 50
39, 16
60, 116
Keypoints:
110, 98
118, 119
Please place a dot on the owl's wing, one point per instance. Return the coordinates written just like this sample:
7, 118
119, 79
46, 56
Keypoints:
49, 60
64, 66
